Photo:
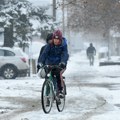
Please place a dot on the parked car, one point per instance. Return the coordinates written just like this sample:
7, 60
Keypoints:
13, 63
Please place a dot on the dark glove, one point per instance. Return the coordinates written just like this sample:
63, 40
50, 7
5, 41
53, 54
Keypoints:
40, 65
47, 68
62, 65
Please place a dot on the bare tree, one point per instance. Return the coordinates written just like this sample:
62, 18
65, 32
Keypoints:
88, 14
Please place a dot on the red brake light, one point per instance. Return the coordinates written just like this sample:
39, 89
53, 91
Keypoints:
24, 60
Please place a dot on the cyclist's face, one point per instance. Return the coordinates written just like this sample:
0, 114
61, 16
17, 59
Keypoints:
56, 41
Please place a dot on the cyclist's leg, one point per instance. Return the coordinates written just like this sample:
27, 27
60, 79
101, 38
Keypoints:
55, 72
59, 79
59, 85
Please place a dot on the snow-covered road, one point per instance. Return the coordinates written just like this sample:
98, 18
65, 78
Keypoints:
23, 101
92, 94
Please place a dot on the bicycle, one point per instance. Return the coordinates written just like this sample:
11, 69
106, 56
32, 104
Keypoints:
49, 92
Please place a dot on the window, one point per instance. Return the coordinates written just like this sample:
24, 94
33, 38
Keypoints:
8, 53
1, 52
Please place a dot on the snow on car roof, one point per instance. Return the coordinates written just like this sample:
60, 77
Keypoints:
16, 50
6, 48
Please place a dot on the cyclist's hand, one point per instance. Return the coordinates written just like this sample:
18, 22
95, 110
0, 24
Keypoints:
62, 65
47, 68
39, 66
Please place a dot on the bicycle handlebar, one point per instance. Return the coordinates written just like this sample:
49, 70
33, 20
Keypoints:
53, 66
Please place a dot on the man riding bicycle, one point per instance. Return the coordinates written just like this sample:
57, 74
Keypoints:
55, 53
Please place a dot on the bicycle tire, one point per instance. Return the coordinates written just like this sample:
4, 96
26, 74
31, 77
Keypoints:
60, 107
44, 96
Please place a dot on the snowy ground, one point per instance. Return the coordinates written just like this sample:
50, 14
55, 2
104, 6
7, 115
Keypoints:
92, 94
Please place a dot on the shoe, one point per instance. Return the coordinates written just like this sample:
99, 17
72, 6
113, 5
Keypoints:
47, 102
61, 94
58, 100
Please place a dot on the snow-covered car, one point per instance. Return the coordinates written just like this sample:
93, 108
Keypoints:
13, 63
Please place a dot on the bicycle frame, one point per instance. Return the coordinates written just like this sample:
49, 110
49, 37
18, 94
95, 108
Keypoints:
53, 83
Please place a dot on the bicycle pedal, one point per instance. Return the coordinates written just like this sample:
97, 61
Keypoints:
58, 101
61, 96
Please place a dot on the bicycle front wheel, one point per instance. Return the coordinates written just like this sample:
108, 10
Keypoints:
47, 96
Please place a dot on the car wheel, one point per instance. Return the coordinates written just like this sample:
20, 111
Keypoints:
9, 72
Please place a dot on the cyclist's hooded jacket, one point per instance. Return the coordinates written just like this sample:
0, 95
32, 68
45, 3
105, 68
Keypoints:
53, 55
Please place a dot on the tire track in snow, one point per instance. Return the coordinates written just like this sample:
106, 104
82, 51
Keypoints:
27, 104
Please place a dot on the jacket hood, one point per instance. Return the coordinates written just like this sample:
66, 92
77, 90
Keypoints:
64, 41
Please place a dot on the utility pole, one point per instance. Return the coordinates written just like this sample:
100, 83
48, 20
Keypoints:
54, 10
68, 30
63, 17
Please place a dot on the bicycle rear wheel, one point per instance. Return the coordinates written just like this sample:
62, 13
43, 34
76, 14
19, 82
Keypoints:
60, 102
47, 96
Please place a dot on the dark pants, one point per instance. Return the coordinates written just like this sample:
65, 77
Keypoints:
91, 58
58, 73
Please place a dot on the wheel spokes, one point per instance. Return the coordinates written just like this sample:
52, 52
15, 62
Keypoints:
9, 73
